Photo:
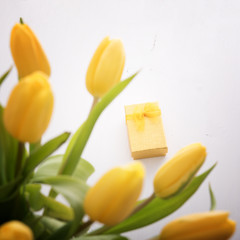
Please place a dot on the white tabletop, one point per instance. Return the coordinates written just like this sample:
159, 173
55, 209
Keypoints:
189, 53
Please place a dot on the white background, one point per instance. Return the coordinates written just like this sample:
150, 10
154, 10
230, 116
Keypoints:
189, 52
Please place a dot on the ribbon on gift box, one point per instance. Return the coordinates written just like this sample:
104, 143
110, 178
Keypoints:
149, 110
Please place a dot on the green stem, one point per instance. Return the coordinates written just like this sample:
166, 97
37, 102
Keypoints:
83, 227
138, 208
95, 101
19, 158
21, 21
143, 204
34, 146
3, 178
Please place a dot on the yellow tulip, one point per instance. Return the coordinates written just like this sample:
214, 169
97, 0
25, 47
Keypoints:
29, 108
173, 176
114, 196
106, 67
213, 225
27, 52
15, 230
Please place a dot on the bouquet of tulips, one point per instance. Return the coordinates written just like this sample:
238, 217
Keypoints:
26, 163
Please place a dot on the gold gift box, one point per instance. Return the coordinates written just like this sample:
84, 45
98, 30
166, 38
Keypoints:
145, 130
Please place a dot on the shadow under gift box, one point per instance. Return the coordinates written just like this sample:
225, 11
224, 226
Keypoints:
145, 130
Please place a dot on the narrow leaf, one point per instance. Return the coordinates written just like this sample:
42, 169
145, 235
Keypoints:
50, 168
61, 233
34, 196
56, 209
3, 77
74, 191
37, 201
34, 146
213, 199
51, 224
72, 157
8, 153
159, 208
34, 222
83, 170
8, 189
41, 153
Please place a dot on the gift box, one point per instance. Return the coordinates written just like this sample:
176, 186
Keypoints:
145, 130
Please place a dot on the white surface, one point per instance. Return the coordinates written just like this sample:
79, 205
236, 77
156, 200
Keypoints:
189, 53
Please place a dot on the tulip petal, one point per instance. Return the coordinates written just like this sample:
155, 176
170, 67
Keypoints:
27, 52
93, 64
36, 122
213, 225
109, 68
114, 196
29, 108
178, 171
158, 208
41, 56
15, 230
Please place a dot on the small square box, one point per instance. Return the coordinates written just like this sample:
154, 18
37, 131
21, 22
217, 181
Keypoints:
146, 136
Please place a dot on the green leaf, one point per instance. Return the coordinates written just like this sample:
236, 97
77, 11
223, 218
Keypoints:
61, 233
34, 146
8, 153
74, 191
159, 208
56, 209
3, 77
83, 170
37, 201
34, 196
41, 153
72, 143
51, 224
34, 222
213, 199
74, 153
50, 168
100, 237
8, 189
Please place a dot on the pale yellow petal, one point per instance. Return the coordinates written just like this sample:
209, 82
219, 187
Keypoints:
109, 68
176, 172
93, 64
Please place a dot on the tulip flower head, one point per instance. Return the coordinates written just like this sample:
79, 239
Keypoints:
29, 108
213, 225
173, 176
15, 230
27, 52
106, 67
114, 196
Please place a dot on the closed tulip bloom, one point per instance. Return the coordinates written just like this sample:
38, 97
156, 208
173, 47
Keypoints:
173, 176
114, 196
29, 108
15, 230
27, 52
213, 225
106, 67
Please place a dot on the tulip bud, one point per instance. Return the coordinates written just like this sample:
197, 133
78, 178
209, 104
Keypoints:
174, 175
29, 108
27, 52
213, 225
106, 67
15, 230
114, 196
